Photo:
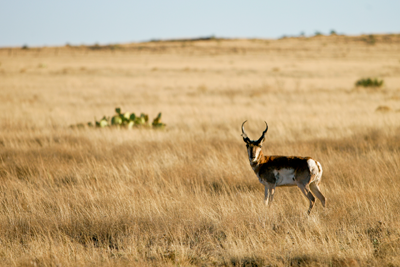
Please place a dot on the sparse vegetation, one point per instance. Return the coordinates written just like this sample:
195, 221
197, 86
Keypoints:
383, 109
369, 82
206, 38
125, 120
104, 47
370, 39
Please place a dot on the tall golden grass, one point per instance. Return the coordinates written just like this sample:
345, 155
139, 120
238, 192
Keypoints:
187, 195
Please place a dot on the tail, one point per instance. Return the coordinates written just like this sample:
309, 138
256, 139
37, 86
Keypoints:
319, 174
315, 170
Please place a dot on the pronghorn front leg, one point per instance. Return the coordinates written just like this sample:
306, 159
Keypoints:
269, 193
266, 197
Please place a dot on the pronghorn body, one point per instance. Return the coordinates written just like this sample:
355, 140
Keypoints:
275, 171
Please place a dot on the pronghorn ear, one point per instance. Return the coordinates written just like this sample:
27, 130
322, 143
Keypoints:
260, 142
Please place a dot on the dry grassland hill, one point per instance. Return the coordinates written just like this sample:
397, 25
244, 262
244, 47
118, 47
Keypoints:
186, 195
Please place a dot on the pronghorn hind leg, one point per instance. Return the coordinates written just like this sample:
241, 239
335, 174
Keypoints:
317, 192
308, 195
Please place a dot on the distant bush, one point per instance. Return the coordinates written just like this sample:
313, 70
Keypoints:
368, 82
370, 39
124, 120
96, 46
383, 109
104, 47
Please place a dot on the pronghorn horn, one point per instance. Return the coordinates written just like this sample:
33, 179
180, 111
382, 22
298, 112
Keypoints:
263, 134
244, 135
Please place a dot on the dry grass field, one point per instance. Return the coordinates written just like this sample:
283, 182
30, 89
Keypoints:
186, 195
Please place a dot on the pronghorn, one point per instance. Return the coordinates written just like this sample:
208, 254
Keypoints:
275, 171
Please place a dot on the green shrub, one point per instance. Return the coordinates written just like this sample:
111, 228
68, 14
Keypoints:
370, 39
318, 33
125, 120
368, 82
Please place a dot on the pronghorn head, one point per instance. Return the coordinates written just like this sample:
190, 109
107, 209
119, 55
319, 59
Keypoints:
254, 146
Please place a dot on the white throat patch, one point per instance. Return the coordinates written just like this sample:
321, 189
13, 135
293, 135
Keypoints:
256, 155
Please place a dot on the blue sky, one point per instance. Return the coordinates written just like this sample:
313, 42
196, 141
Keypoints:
56, 22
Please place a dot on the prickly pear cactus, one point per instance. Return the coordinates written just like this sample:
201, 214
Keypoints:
124, 120
130, 124
116, 120
104, 122
126, 116
157, 122
132, 117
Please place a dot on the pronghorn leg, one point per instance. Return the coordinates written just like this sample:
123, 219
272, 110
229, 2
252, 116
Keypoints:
308, 194
266, 197
271, 189
317, 192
